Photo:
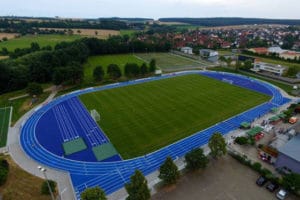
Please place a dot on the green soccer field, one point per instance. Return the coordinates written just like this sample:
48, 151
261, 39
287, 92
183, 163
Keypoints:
4, 124
142, 118
42, 40
171, 61
104, 61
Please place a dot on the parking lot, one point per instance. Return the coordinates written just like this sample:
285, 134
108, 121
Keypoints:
224, 179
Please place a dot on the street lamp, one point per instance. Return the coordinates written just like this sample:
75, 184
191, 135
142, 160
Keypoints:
44, 172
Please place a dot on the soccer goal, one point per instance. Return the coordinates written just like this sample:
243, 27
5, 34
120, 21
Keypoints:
95, 115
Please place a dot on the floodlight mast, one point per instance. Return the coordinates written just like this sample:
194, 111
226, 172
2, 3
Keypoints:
45, 175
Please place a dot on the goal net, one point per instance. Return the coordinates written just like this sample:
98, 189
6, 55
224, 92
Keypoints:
95, 115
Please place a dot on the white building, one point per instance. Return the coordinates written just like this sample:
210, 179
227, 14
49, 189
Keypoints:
187, 50
267, 67
276, 49
209, 54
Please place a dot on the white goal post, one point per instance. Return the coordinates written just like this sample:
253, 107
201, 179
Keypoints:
95, 115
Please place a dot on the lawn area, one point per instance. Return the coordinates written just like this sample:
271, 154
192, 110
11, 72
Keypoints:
4, 124
127, 32
42, 40
104, 61
168, 60
142, 118
22, 105
21, 185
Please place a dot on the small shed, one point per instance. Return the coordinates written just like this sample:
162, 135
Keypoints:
254, 131
245, 125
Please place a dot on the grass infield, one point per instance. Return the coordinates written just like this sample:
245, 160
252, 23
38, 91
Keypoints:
142, 118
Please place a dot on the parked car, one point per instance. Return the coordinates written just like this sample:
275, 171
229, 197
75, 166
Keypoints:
282, 194
261, 181
272, 186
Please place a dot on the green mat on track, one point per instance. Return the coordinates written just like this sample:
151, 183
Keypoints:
74, 146
104, 151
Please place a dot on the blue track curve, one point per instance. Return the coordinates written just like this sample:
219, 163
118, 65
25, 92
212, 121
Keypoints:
111, 176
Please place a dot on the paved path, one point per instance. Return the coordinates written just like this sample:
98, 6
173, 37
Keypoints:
13, 146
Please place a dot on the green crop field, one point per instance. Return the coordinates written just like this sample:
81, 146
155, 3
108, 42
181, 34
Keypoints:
106, 60
142, 118
42, 40
168, 60
4, 124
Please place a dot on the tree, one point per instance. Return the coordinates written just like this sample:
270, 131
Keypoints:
168, 172
34, 46
248, 64
95, 193
58, 76
152, 65
4, 168
291, 182
137, 188
237, 65
228, 61
292, 71
196, 159
114, 71
131, 70
241, 140
45, 189
217, 145
144, 69
98, 73
34, 89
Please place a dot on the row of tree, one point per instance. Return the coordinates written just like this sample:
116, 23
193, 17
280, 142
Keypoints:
29, 27
137, 188
131, 70
273, 56
65, 62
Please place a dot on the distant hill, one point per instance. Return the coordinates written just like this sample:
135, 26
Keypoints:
230, 21
133, 20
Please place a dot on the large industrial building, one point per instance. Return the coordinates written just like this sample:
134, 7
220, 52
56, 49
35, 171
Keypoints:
289, 155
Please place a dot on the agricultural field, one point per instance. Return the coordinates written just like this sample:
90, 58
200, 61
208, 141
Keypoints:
98, 33
3, 57
106, 60
142, 118
167, 61
42, 40
8, 36
4, 124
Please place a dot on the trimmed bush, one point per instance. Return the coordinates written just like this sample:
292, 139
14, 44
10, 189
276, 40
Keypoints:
241, 140
256, 166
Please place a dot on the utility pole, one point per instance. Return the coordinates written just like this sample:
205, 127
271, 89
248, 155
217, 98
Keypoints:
45, 175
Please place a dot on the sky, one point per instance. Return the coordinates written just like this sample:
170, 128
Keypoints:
279, 9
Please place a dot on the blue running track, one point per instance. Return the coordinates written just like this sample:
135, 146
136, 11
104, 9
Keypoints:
65, 119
